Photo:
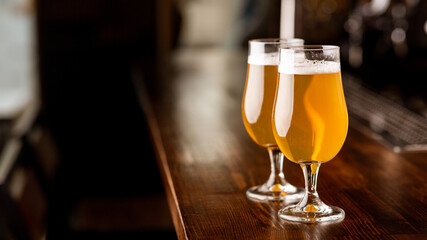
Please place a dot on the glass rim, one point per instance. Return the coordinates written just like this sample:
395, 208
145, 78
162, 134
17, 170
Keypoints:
274, 40
308, 48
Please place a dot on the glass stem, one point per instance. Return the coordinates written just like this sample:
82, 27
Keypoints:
311, 201
276, 159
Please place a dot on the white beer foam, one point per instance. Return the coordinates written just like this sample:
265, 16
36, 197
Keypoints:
310, 67
264, 59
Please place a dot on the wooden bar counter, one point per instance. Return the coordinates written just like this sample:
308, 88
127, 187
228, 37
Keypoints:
208, 161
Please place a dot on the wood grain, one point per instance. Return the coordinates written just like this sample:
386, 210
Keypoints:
208, 161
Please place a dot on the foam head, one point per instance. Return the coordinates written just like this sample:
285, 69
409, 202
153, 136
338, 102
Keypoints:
264, 58
292, 62
266, 51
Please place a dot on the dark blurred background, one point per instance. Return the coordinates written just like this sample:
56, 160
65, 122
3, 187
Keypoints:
76, 155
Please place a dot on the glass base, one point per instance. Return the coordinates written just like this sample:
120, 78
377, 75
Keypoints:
312, 213
278, 192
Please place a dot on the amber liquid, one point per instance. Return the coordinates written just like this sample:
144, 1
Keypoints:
310, 116
258, 102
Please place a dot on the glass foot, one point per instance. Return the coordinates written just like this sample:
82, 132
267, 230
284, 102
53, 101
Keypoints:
312, 213
286, 192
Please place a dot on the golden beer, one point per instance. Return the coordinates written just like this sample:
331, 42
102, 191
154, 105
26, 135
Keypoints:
311, 116
310, 121
258, 101
257, 107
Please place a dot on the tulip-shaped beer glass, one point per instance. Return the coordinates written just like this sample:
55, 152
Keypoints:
310, 121
257, 105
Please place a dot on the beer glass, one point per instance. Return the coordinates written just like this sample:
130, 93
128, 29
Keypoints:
257, 105
310, 121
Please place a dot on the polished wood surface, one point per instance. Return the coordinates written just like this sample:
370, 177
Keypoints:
208, 161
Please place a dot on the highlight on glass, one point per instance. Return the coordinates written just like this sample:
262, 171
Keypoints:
257, 105
310, 121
